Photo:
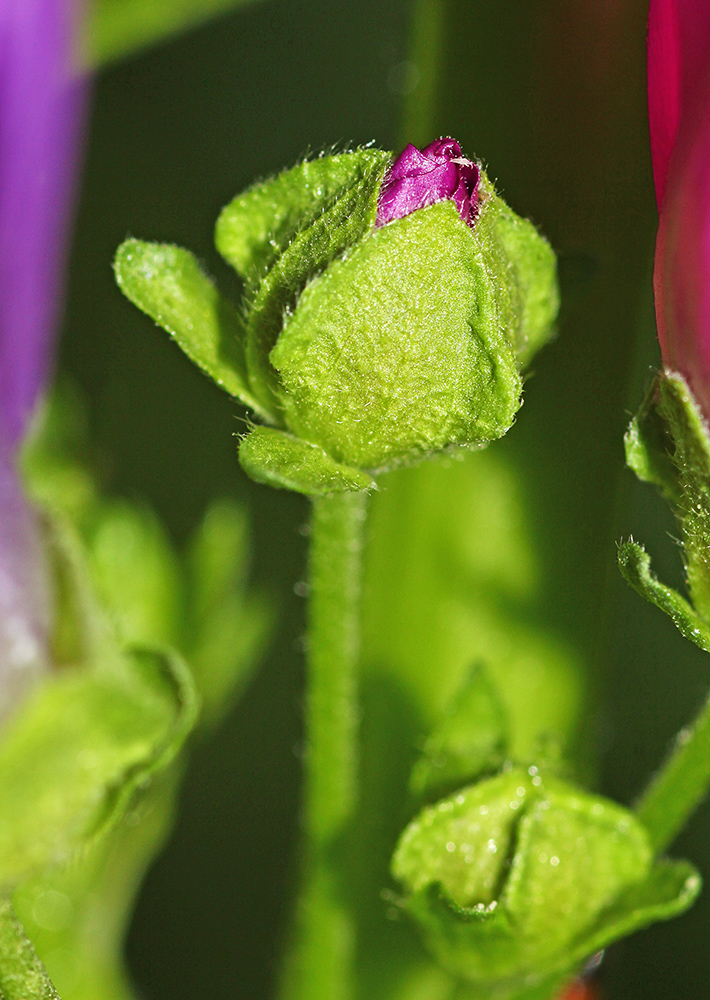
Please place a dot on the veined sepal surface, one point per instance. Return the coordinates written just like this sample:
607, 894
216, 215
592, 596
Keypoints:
517, 879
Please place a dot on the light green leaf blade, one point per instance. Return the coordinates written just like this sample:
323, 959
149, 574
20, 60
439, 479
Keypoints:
258, 225
118, 28
167, 283
22, 975
71, 761
290, 463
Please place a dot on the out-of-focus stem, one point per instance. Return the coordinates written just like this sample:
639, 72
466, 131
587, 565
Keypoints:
425, 44
681, 784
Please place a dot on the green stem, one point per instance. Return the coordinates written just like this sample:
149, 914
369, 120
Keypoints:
320, 963
680, 785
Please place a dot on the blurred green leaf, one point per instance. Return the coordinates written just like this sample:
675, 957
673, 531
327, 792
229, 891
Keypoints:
71, 760
118, 28
137, 575
227, 626
471, 738
22, 975
77, 915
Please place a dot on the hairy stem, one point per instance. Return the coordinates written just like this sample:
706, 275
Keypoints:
321, 957
681, 784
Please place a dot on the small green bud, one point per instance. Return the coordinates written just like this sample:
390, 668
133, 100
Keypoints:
517, 879
389, 309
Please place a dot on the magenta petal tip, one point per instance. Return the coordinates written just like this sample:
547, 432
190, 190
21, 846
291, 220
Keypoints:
421, 177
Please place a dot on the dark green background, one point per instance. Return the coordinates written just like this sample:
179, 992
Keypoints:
551, 95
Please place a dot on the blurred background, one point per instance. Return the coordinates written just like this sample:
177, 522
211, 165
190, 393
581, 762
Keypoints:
550, 94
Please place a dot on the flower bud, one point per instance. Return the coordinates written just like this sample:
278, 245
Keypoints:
389, 310
516, 880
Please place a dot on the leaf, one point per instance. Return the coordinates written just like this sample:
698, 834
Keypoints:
668, 890
400, 348
22, 975
470, 739
118, 28
136, 575
290, 463
337, 227
635, 566
260, 223
228, 627
167, 283
71, 761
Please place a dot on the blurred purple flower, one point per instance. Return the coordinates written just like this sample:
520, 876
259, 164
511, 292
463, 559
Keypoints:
679, 116
41, 105
418, 178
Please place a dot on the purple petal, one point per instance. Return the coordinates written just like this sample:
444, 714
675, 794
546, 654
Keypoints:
41, 105
418, 178
24, 593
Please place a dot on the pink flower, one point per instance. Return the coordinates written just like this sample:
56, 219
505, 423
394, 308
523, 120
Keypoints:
418, 178
679, 114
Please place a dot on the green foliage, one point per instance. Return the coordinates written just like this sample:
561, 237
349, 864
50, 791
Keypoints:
227, 627
22, 975
515, 880
635, 565
118, 28
668, 445
379, 345
287, 462
167, 283
84, 765
471, 739
73, 758
259, 224
337, 227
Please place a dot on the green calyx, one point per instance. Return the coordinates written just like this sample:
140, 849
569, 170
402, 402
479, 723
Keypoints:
519, 878
668, 444
362, 347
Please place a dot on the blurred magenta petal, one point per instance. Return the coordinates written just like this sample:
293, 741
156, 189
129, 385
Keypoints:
418, 178
24, 593
41, 103
678, 52
679, 117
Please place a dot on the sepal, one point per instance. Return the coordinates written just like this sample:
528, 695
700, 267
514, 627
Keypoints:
635, 566
668, 444
290, 463
168, 284
517, 879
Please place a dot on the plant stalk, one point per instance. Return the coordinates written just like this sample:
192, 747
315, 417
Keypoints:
680, 785
320, 962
